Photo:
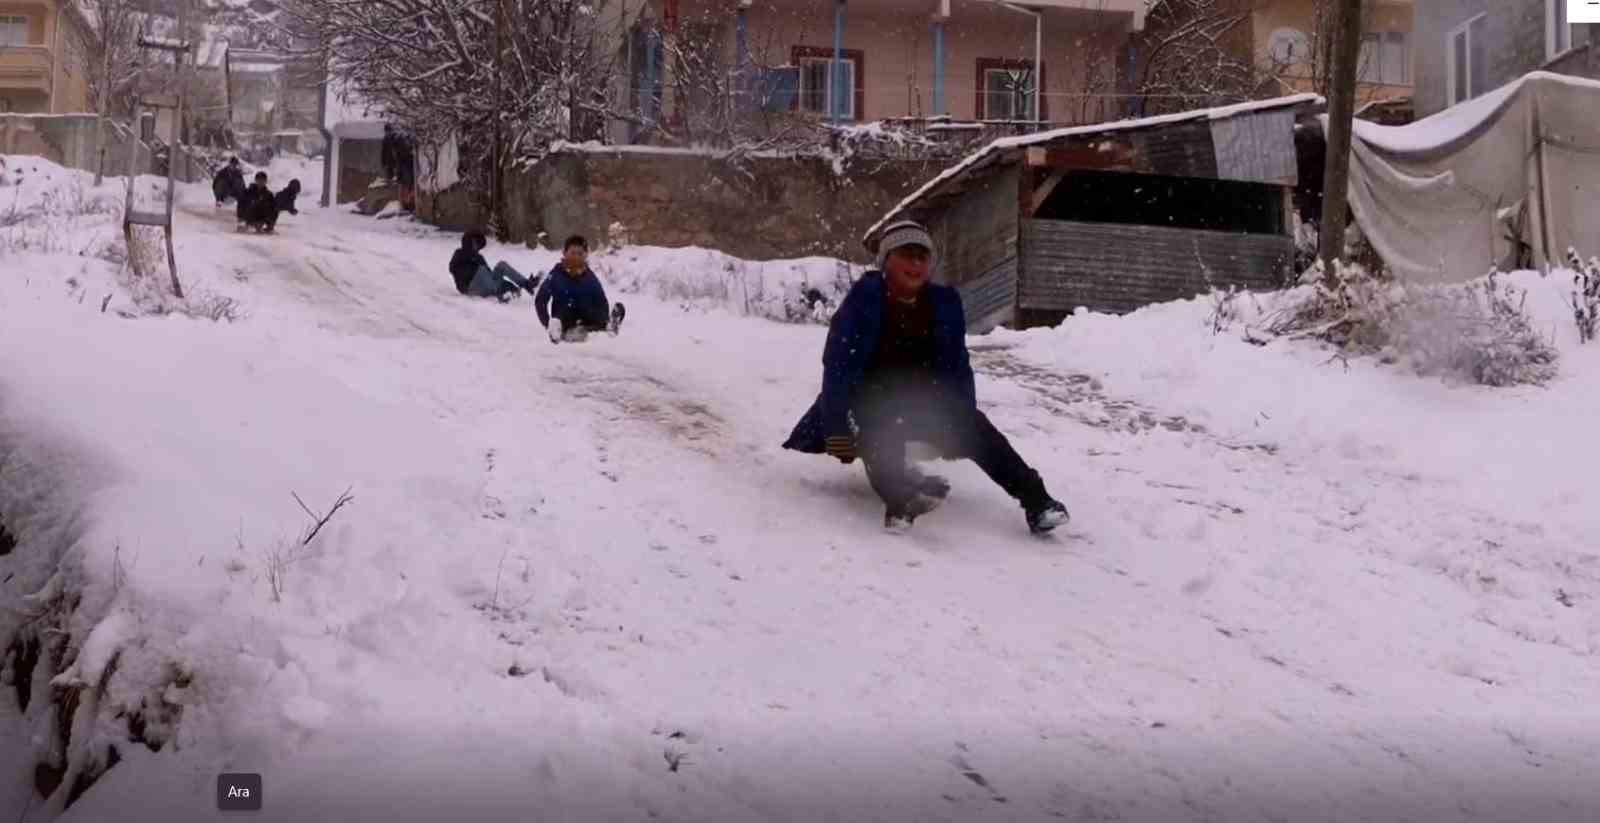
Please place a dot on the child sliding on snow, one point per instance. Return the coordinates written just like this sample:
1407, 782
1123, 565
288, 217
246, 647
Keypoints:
256, 205
576, 301
474, 277
896, 365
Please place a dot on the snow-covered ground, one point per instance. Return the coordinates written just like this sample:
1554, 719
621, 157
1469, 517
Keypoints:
582, 582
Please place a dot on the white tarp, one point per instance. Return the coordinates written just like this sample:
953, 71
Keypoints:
1438, 198
438, 167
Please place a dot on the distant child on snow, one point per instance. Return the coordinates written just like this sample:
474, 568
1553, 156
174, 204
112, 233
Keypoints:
228, 184
259, 207
474, 277
283, 201
576, 301
256, 204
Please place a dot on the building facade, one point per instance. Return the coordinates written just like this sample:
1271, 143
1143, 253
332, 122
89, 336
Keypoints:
871, 60
1283, 33
272, 104
45, 47
1468, 47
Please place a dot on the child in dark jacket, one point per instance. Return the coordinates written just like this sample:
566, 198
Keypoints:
571, 302
284, 200
257, 206
896, 370
228, 184
473, 276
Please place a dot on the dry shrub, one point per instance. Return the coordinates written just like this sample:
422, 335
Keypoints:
148, 282
1586, 294
1477, 331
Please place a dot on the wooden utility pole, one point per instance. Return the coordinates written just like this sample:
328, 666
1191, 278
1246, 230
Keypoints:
496, 185
1341, 117
174, 102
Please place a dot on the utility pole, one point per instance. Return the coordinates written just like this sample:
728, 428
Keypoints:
496, 185
180, 49
1341, 117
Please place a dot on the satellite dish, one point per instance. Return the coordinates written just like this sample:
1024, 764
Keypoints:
1289, 47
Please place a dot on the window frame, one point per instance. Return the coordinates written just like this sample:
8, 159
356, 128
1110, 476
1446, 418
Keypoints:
11, 18
802, 55
980, 105
1374, 64
1452, 94
1553, 46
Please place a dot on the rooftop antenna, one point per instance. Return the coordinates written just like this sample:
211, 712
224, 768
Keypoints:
173, 101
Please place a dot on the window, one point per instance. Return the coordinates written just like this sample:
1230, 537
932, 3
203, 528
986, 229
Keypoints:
1008, 94
1558, 29
817, 88
1469, 64
13, 30
1006, 90
1385, 58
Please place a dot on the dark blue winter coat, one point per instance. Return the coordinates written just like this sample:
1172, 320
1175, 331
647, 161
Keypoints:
853, 337
571, 297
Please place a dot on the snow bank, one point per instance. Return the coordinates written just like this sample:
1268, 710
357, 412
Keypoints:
584, 582
1306, 400
792, 291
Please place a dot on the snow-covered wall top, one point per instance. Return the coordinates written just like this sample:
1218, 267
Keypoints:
350, 117
992, 152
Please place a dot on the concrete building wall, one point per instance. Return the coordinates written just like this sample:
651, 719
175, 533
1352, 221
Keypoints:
1515, 43
68, 139
46, 64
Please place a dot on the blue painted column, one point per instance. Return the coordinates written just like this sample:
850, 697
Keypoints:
938, 68
1135, 104
841, 86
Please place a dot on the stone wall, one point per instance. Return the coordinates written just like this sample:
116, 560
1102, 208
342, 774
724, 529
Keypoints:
69, 139
755, 207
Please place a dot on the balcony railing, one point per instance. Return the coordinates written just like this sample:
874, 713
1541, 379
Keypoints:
25, 67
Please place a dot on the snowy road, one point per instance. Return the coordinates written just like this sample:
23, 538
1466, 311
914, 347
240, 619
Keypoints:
583, 582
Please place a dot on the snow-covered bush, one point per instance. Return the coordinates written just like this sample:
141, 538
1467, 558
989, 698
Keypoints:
1224, 308
1477, 331
787, 291
43, 215
1586, 294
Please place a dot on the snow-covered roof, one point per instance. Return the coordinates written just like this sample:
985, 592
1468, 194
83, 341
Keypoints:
996, 150
348, 116
240, 67
1456, 122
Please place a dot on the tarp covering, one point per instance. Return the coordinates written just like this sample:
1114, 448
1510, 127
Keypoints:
1446, 198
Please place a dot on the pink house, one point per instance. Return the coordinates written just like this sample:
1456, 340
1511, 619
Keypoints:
868, 60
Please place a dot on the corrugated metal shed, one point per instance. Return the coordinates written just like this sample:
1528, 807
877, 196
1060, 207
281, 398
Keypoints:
1150, 264
1116, 216
1009, 149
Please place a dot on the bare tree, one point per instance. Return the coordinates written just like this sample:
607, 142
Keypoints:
718, 102
433, 66
117, 67
1196, 53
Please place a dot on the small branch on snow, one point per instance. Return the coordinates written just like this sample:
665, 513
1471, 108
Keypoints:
318, 521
